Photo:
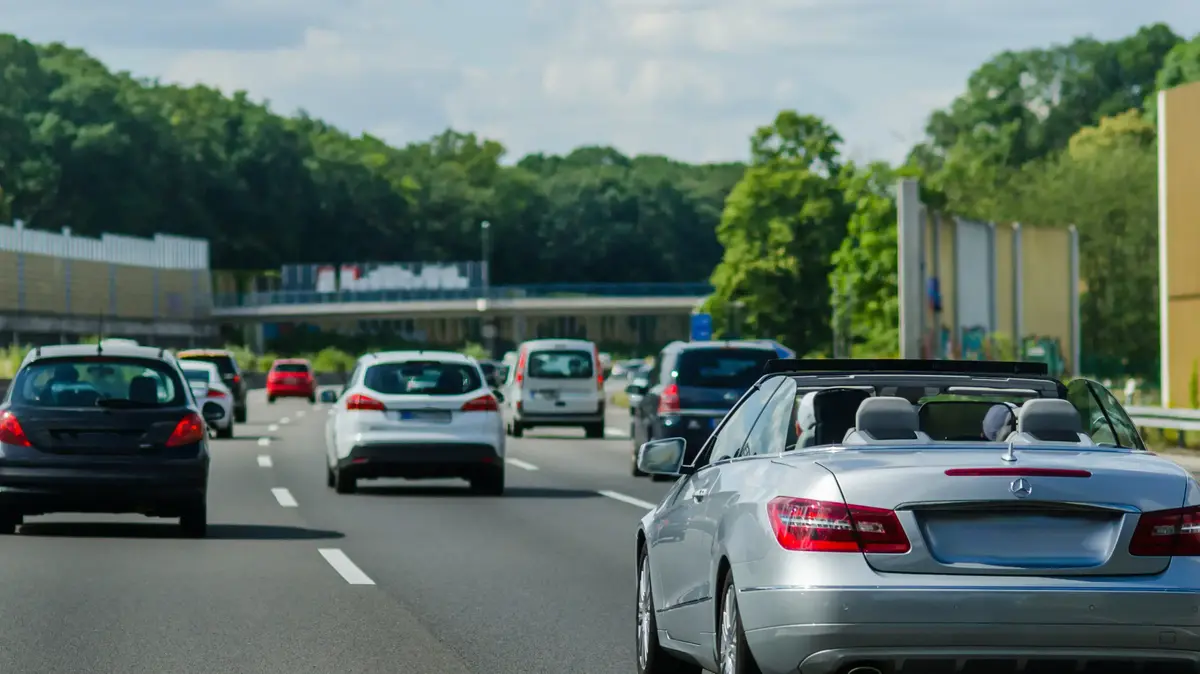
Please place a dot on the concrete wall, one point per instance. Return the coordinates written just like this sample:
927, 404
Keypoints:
1179, 239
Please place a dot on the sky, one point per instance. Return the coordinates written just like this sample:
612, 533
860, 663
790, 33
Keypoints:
691, 79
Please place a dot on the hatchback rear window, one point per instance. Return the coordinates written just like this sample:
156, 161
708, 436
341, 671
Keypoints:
225, 364
562, 364
422, 378
98, 381
721, 368
196, 375
291, 367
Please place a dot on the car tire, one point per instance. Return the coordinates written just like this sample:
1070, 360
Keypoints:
312, 399
651, 658
194, 520
594, 431
239, 415
743, 659
225, 433
488, 481
343, 482
271, 399
330, 479
517, 429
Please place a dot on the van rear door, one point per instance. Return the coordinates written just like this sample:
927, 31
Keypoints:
562, 380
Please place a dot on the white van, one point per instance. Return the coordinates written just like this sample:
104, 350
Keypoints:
556, 382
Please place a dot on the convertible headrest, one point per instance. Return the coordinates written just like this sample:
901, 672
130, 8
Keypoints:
1050, 420
887, 418
824, 416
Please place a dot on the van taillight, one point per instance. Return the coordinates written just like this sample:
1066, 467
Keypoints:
520, 368
668, 400
599, 368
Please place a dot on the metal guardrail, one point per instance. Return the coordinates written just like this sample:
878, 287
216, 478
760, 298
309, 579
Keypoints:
1163, 418
283, 297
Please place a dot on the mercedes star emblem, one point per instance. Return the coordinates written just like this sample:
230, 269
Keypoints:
1020, 487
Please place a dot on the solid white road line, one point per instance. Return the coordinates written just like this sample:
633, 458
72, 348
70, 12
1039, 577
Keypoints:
265, 461
285, 420
523, 465
618, 496
615, 433
284, 497
346, 568
272, 428
264, 442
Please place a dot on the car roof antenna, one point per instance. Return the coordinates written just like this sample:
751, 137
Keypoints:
1010, 456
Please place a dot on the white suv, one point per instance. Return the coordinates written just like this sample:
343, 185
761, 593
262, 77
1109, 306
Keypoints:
414, 415
556, 382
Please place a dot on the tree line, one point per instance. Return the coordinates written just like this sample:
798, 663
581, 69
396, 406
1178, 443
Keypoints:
1054, 136
98, 151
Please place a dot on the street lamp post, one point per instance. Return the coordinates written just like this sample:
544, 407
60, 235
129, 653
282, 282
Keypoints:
485, 248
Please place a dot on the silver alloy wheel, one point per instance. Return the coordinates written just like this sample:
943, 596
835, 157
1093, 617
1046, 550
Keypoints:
645, 606
729, 641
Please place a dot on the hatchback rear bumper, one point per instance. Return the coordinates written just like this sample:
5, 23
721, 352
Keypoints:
291, 391
160, 489
419, 459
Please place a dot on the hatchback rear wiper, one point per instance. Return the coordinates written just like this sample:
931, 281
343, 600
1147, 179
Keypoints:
124, 403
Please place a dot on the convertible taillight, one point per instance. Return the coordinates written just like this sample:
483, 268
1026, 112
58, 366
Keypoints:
1167, 533
823, 526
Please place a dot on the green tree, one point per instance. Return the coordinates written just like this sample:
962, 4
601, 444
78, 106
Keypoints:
780, 226
865, 267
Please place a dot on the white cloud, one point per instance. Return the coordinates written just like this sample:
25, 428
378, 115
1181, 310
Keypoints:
689, 78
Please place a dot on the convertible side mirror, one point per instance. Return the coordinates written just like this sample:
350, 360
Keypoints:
662, 457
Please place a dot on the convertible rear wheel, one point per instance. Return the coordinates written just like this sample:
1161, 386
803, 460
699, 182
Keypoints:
651, 658
733, 655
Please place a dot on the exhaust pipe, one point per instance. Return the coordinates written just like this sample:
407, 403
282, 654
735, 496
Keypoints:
865, 670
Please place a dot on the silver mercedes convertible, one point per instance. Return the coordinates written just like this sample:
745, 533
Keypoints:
885, 517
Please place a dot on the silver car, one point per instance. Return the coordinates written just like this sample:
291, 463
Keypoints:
859, 517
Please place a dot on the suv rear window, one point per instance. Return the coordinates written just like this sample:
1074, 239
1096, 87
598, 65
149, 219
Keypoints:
422, 378
562, 364
290, 367
225, 364
721, 367
89, 382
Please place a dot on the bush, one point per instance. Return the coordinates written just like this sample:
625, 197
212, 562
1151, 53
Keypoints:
10, 360
333, 360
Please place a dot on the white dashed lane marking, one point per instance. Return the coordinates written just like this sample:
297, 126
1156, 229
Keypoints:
615, 433
523, 465
624, 498
285, 420
272, 428
264, 442
264, 461
284, 497
346, 568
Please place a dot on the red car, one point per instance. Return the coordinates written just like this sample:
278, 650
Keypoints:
291, 378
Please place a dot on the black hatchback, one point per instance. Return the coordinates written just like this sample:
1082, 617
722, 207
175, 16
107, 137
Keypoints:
103, 429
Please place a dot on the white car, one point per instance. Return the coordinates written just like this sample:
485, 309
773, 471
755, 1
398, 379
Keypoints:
557, 382
207, 387
416, 415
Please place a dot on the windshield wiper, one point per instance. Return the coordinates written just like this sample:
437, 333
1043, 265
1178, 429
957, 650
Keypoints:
124, 403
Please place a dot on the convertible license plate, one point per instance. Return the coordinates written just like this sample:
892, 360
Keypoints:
431, 416
546, 395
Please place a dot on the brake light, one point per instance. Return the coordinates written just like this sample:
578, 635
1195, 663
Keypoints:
823, 526
668, 400
215, 393
520, 368
364, 403
1167, 533
484, 403
189, 430
599, 368
11, 432
1017, 472
237, 378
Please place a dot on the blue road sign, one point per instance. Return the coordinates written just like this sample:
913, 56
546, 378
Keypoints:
702, 327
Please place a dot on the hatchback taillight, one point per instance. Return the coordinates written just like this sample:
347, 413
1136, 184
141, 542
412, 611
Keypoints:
364, 403
189, 430
11, 432
484, 403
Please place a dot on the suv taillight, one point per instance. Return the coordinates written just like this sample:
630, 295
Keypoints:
11, 432
189, 430
668, 400
1167, 533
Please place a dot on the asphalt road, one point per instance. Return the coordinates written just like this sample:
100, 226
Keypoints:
403, 576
